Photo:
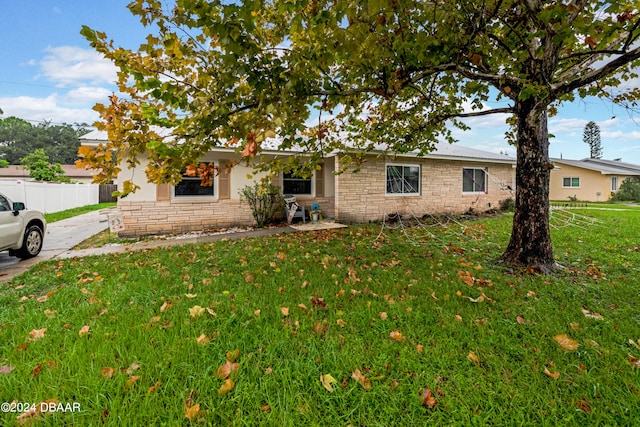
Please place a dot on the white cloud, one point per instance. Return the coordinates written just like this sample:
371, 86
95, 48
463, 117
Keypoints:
47, 109
70, 65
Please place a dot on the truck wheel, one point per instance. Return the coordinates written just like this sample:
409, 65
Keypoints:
32, 243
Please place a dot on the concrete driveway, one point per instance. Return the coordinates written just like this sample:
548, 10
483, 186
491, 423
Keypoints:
60, 237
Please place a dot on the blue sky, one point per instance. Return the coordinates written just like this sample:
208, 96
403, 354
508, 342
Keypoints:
49, 72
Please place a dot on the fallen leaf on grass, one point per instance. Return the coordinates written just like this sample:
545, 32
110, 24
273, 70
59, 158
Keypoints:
396, 336
341, 323
635, 362
50, 313
383, 315
108, 372
154, 387
196, 311
284, 311
37, 334
565, 342
583, 405
361, 379
520, 320
5, 369
132, 368
591, 315
226, 387
231, 356
35, 412
427, 398
132, 379
473, 358
192, 412
224, 371
84, 330
203, 339
36, 370
419, 348
554, 375
327, 380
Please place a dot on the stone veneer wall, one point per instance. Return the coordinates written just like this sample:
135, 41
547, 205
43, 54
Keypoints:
180, 216
361, 197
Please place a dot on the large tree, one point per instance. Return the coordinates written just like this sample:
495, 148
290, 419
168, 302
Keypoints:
396, 72
18, 138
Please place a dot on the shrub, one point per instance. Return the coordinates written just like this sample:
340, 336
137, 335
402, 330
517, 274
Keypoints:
629, 190
507, 205
265, 201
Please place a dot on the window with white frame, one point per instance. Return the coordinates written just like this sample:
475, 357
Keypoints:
197, 181
571, 182
614, 183
474, 180
403, 179
296, 185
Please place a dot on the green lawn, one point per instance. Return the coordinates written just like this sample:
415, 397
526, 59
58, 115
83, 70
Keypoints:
152, 338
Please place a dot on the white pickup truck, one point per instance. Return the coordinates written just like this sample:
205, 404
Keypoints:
21, 230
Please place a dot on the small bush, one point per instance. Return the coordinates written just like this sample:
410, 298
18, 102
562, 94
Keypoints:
629, 190
507, 205
265, 201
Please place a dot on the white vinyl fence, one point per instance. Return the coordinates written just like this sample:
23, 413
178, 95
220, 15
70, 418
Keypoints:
48, 197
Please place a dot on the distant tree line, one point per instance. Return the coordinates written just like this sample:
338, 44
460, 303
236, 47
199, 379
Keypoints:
19, 138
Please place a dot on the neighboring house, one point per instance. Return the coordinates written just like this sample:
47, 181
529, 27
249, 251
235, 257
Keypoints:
591, 180
14, 172
452, 179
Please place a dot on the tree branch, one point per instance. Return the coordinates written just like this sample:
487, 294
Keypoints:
608, 68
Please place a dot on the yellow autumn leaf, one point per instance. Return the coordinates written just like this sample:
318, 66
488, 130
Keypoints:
554, 375
473, 358
341, 323
565, 342
192, 412
327, 380
203, 339
233, 355
196, 311
226, 387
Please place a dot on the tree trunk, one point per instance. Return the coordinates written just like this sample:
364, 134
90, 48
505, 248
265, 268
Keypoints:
530, 245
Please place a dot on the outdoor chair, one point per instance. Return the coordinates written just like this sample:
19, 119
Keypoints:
293, 209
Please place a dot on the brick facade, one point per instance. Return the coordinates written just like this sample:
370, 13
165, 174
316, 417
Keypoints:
361, 197
351, 198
